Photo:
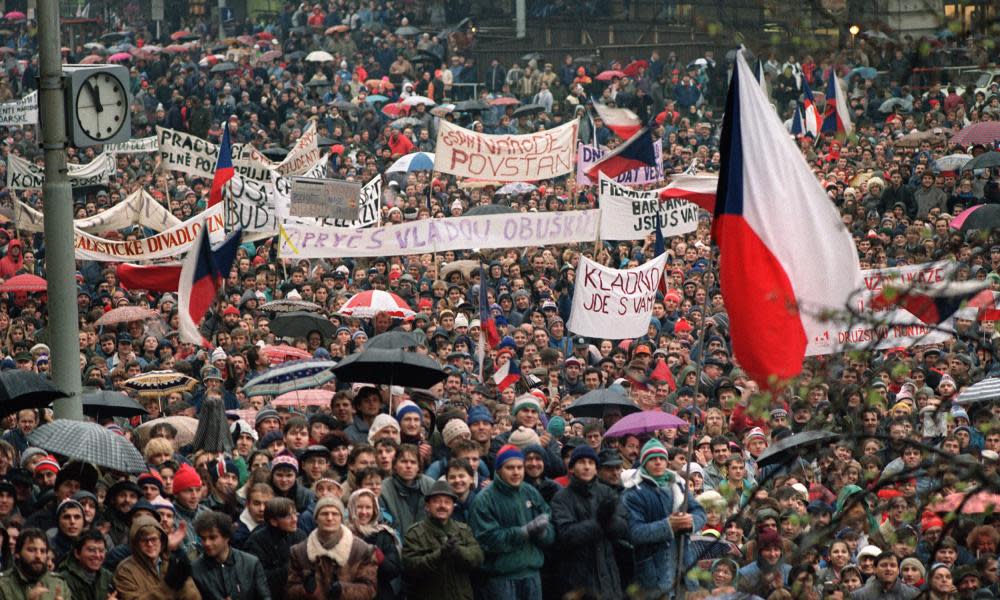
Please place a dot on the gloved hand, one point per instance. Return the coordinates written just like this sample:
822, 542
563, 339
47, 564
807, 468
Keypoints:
605, 512
334, 591
450, 546
537, 525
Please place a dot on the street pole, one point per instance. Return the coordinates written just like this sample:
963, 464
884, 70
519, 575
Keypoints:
63, 329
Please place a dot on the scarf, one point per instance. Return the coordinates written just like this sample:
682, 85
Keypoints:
660, 481
339, 552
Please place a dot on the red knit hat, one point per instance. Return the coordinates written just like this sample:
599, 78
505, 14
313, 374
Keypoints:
48, 463
186, 478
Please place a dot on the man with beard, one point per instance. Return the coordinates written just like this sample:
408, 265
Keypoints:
30, 578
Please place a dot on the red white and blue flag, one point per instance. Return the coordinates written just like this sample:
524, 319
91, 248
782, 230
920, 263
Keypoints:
932, 304
166, 277
200, 280
795, 127
837, 118
811, 119
637, 151
507, 375
489, 337
223, 168
786, 257
622, 121
698, 189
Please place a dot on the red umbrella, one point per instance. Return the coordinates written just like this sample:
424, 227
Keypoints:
176, 49
633, 67
93, 59
985, 132
183, 33
368, 304
395, 109
504, 101
265, 36
977, 502
24, 283
304, 398
15, 15
120, 57
609, 75
278, 354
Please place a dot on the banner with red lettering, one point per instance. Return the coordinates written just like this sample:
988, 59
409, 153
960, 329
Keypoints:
614, 303
531, 157
170, 243
885, 328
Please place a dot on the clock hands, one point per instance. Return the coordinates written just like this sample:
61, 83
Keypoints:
95, 93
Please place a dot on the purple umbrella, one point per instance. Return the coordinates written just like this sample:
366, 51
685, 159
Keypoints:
646, 421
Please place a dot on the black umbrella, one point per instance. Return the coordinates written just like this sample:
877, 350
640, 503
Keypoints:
390, 367
212, 434
25, 389
299, 324
391, 340
985, 217
325, 142
489, 209
89, 442
297, 55
191, 37
101, 404
595, 402
792, 447
275, 152
471, 106
983, 161
344, 105
528, 109
224, 67
115, 36
318, 83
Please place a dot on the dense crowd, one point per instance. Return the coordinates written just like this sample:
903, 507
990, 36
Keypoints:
465, 490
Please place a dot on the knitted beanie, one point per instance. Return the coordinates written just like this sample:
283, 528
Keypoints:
406, 408
479, 414
652, 448
224, 464
151, 478
186, 478
583, 451
523, 436
381, 422
285, 459
556, 427
329, 501
453, 430
48, 463
507, 452
526, 401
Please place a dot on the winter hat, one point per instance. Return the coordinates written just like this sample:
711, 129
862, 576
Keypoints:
48, 463
913, 562
186, 478
406, 408
522, 436
381, 422
326, 501
583, 451
67, 503
946, 378
285, 459
479, 414
526, 401
756, 432
556, 427
151, 478
507, 452
32, 451
768, 539
265, 413
219, 467
269, 438
239, 427
454, 429
652, 448
219, 354
161, 502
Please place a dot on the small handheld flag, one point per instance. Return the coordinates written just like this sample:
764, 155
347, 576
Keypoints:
223, 168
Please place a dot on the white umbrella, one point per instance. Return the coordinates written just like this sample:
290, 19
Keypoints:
442, 110
517, 187
319, 56
414, 161
415, 100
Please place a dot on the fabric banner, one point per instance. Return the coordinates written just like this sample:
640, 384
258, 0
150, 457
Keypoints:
20, 112
540, 155
139, 208
137, 146
614, 303
885, 328
169, 244
587, 156
513, 230
629, 214
26, 175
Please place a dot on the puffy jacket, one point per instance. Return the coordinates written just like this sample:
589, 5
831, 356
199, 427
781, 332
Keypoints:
273, 548
355, 567
137, 579
431, 572
241, 577
497, 518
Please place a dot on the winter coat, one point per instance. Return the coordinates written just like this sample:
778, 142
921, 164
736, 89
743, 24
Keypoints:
351, 561
648, 507
497, 518
273, 548
390, 569
400, 502
240, 577
80, 585
429, 571
751, 579
873, 591
136, 578
14, 586
586, 546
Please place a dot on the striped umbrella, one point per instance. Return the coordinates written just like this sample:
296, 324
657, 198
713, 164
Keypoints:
155, 384
986, 390
369, 303
291, 376
90, 443
283, 353
414, 161
984, 132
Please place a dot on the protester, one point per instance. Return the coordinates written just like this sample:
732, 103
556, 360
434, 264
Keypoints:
30, 576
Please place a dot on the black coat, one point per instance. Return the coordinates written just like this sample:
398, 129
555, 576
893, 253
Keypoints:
241, 577
272, 546
390, 570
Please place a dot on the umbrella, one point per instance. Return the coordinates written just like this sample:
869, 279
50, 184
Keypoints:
224, 67
609, 75
698, 63
532, 56
212, 434
380, 84
270, 55
390, 367
504, 101
633, 67
94, 46
877, 35
415, 100
916, 138
791, 447
703, 547
586, 59
517, 187
465, 266
528, 109
471, 106
369, 303
443, 110
344, 105
892, 103
970, 503
176, 49
986, 390
414, 161
983, 217
90, 443
984, 132
407, 30
391, 340
953, 162
319, 56
101, 404
185, 426
405, 122
126, 314
985, 160
155, 384
395, 109
93, 59
319, 83
863, 72
296, 55
179, 35
646, 421
114, 36
304, 398
490, 209
120, 57
290, 376
121, 48
595, 402
375, 98
276, 355
337, 29
291, 306
15, 15
300, 324
26, 389
26, 282
275, 152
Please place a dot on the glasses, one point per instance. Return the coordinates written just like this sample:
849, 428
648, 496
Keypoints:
146, 541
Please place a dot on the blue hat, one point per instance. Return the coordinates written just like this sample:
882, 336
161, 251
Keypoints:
270, 438
479, 414
408, 407
583, 451
507, 452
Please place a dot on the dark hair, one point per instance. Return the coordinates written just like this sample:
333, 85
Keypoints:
719, 440
460, 463
406, 449
884, 556
295, 423
214, 519
358, 451
359, 477
91, 535
464, 446
163, 430
28, 534
278, 507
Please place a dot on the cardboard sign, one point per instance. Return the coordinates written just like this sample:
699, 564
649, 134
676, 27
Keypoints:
138, 146
540, 155
324, 198
628, 214
20, 112
168, 244
614, 303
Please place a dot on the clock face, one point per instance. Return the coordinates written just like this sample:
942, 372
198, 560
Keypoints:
101, 106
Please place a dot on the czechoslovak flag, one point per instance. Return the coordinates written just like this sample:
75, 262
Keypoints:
622, 121
785, 254
699, 189
223, 168
637, 151
201, 279
837, 120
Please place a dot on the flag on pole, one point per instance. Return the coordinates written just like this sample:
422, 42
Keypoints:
622, 121
200, 280
931, 304
660, 247
637, 151
508, 374
489, 337
698, 189
811, 119
988, 303
165, 277
223, 168
837, 118
797, 128
782, 265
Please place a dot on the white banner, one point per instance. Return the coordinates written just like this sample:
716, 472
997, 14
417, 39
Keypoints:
137, 146
139, 208
885, 328
614, 303
20, 112
629, 214
168, 244
25, 175
587, 156
514, 230
540, 155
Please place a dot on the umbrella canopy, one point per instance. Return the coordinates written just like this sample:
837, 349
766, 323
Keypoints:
376, 98
15, 15
93, 59
982, 217
443, 110
863, 72
224, 67
968, 503
25, 389
986, 390
336, 29
532, 56
791, 447
304, 398
466, 267
280, 306
985, 160
633, 67
952, 162
390, 367
528, 109
395, 109
120, 57
504, 101
155, 384
25, 282
300, 324
646, 421
282, 353
609, 75
391, 340
185, 426
212, 434
916, 138
490, 209
893, 103
407, 30
319, 56
369, 303
295, 55
290, 376
414, 161
415, 100
984, 132
270, 55
275, 152
471, 106
94, 46
404, 123
517, 187
101, 404
344, 105
126, 314
90, 443
595, 402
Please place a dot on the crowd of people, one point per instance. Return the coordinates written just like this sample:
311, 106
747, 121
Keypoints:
472, 489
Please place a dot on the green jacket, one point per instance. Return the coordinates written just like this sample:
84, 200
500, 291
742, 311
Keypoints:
431, 573
80, 585
14, 586
497, 517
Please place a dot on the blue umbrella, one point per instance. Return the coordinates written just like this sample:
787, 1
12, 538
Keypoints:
863, 72
291, 376
376, 98
415, 161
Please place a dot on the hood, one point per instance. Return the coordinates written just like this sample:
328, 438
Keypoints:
133, 534
15, 243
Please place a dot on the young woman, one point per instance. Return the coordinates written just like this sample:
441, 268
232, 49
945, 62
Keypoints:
364, 522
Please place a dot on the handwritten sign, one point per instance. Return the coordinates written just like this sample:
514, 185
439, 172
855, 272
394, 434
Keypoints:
540, 155
630, 214
614, 303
